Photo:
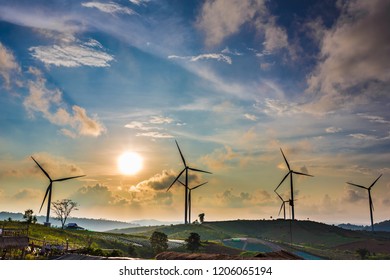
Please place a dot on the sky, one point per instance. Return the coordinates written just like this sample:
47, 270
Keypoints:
233, 82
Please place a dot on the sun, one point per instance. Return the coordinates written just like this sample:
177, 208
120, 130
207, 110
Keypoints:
129, 163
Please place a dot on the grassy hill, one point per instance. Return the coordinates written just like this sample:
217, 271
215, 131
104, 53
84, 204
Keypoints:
316, 238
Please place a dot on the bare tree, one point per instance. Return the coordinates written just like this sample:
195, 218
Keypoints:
63, 208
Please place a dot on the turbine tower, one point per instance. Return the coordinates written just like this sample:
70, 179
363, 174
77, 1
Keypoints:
369, 198
189, 197
49, 191
290, 173
283, 205
186, 168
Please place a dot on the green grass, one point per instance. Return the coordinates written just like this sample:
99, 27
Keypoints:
312, 237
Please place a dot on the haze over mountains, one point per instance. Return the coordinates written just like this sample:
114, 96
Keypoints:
88, 223
106, 225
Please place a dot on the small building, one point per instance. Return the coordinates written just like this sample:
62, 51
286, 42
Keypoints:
73, 226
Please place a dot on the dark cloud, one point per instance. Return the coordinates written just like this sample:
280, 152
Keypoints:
97, 195
353, 195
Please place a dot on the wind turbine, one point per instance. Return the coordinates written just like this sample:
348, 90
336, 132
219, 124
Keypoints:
186, 168
49, 190
189, 197
283, 205
290, 173
369, 198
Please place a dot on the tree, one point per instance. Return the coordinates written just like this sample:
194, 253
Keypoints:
159, 241
29, 217
363, 253
193, 242
63, 208
201, 218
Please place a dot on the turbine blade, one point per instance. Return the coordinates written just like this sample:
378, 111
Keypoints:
182, 157
47, 191
357, 186
281, 207
67, 178
288, 165
198, 170
375, 182
281, 182
177, 178
43, 170
279, 195
300, 173
198, 186
181, 183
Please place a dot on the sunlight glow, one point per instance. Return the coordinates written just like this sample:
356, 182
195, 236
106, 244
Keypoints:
130, 163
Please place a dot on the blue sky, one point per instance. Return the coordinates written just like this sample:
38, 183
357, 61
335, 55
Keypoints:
81, 82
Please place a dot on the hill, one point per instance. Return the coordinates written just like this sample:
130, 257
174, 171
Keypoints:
87, 223
307, 239
382, 226
316, 238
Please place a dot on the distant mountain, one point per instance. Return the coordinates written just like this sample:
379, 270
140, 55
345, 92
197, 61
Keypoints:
87, 223
382, 226
152, 222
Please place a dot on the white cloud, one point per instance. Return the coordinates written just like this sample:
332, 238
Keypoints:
139, 125
250, 117
354, 54
365, 137
216, 56
375, 119
111, 8
220, 19
160, 120
50, 104
139, 2
275, 38
333, 129
73, 55
8, 65
155, 134
228, 51
274, 107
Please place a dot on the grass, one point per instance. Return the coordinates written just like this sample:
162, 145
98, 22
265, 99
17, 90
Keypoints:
319, 239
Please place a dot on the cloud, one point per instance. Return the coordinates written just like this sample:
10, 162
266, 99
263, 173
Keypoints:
158, 182
160, 120
98, 195
216, 56
365, 137
353, 57
274, 107
139, 2
333, 129
155, 134
73, 54
220, 19
374, 119
145, 126
228, 51
230, 199
250, 117
57, 167
221, 158
353, 196
50, 104
8, 65
275, 38
27, 194
111, 7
